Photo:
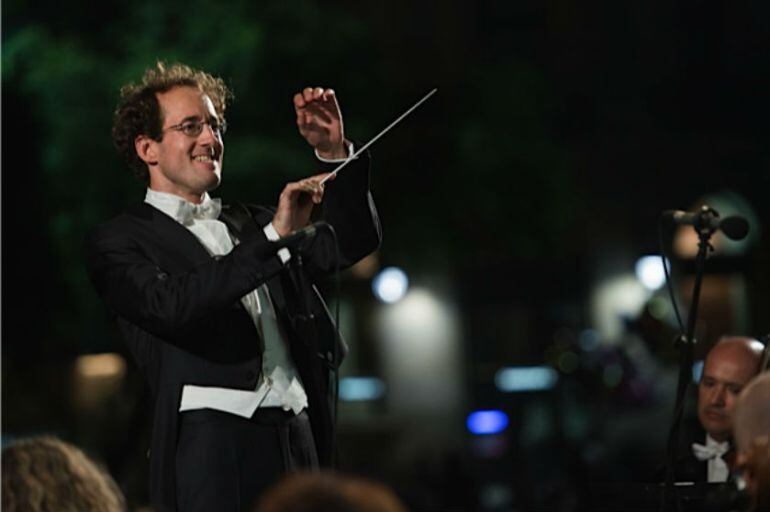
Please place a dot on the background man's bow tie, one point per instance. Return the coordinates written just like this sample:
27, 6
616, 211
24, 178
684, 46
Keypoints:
707, 452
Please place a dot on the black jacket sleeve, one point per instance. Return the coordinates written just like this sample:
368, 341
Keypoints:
171, 305
349, 208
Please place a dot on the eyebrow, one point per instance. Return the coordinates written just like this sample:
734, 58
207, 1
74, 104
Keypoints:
190, 118
725, 382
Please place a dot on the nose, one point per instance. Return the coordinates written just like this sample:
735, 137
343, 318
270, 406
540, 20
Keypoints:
718, 396
209, 136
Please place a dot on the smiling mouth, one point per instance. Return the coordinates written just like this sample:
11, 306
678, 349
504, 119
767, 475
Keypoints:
203, 158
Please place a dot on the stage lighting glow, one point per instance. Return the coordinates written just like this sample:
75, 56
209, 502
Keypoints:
100, 366
361, 389
486, 422
421, 353
390, 285
697, 371
97, 378
613, 300
649, 272
526, 378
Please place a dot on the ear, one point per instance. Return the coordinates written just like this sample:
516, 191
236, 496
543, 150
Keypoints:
147, 149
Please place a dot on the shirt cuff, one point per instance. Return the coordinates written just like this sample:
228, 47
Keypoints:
336, 160
273, 235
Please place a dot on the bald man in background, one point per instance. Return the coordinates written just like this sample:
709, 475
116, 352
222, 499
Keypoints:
752, 440
729, 366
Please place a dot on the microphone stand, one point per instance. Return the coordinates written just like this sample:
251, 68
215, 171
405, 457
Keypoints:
685, 344
296, 263
304, 323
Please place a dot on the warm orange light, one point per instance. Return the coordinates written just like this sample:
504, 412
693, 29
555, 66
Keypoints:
367, 267
94, 366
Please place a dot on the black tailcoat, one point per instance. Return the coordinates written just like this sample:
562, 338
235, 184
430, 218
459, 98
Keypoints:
180, 313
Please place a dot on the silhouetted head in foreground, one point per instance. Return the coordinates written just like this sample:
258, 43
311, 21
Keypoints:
44, 473
327, 492
752, 440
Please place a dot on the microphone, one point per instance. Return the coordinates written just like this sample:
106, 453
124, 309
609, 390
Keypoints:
299, 236
707, 219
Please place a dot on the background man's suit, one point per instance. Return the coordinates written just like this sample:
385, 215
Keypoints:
179, 309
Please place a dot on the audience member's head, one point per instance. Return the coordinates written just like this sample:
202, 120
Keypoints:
752, 439
326, 492
45, 473
729, 366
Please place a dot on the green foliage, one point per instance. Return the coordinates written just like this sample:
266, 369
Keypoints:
484, 143
67, 64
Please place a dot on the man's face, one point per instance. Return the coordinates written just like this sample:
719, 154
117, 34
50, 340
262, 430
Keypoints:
187, 165
725, 373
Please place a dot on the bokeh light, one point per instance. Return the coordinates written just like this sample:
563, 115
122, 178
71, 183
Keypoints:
390, 285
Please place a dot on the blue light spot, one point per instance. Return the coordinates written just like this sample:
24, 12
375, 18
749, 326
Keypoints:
697, 371
526, 378
486, 422
360, 389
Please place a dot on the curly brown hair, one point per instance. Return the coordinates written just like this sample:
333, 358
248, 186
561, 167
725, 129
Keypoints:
45, 473
139, 113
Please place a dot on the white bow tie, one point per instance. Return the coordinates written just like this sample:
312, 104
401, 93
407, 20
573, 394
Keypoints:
207, 210
710, 451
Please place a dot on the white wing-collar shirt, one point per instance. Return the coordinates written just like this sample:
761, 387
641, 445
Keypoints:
280, 385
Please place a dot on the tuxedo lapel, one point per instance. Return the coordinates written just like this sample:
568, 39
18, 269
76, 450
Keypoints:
170, 236
242, 223
180, 249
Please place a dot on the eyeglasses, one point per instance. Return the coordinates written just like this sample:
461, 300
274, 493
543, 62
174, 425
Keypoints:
193, 128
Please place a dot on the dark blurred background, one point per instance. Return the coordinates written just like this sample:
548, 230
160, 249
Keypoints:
518, 202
